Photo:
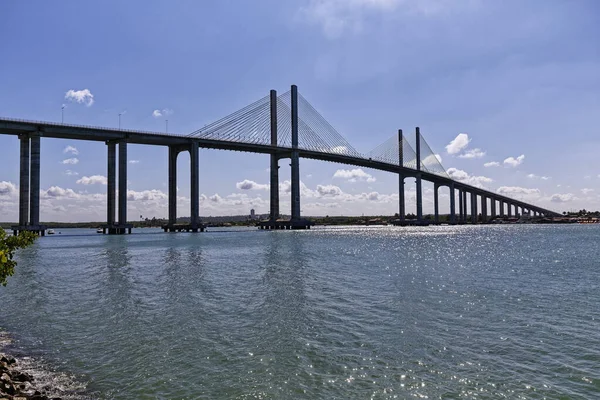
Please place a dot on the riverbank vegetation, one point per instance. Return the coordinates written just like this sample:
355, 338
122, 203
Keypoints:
8, 246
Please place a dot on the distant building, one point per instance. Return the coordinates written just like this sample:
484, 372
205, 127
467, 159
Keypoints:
252, 214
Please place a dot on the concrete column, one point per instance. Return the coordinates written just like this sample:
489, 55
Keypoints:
173, 153
501, 202
194, 185
509, 209
418, 177
483, 200
465, 209
111, 187
436, 206
34, 194
473, 208
452, 205
24, 181
122, 183
493, 204
295, 157
460, 206
274, 211
401, 202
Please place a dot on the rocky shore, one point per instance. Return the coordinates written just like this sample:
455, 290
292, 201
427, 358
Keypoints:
16, 384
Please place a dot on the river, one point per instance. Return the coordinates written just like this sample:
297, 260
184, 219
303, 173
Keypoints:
334, 312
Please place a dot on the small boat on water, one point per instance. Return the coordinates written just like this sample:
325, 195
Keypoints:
50, 232
99, 230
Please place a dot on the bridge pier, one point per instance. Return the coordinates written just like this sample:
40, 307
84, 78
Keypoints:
274, 186
436, 206
493, 207
484, 217
295, 164
29, 185
112, 226
452, 205
418, 177
194, 186
401, 200
465, 206
24, 181
173, 153
460, 207
296, 222
473, 208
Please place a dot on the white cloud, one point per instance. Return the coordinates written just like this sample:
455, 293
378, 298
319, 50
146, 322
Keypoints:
71, 173
329, 190
251, 185
71, 150
7, 189
134, 161
93, 180
432, 159
473, 153
354, 175
534, 176
586, 190
339, 17
562, 197
153, 195
162, 113
491, 164
514, 162
516, 191
56, 192
462, 176
460, 142
80, 96
71, 161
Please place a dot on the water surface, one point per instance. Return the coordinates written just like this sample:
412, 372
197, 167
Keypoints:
352, 312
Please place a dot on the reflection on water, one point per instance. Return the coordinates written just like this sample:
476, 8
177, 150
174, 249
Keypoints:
352, 312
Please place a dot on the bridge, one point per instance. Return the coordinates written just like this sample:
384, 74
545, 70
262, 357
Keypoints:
282, 126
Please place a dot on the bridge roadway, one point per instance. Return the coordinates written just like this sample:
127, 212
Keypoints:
31, 131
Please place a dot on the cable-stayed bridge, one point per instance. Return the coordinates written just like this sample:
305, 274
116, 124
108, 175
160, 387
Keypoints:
283, 126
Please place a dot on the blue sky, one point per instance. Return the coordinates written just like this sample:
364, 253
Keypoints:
520, 80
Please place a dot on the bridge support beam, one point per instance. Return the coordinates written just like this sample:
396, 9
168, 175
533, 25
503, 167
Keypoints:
121, 226
493, 206
436, 205
473, 208
173, 153
34, 194
509, 210
29, 185
452, 205
123, 183
194, 187
274, 187
24, 181
418, 176
111, 187
295, 164
460, 206
401, 200
484, 218
465, 209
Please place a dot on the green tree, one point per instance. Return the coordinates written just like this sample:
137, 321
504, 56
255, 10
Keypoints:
8, 245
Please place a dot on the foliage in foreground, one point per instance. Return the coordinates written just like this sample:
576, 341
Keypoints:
8, 245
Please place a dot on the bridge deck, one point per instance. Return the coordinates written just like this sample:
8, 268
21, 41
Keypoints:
77, 132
